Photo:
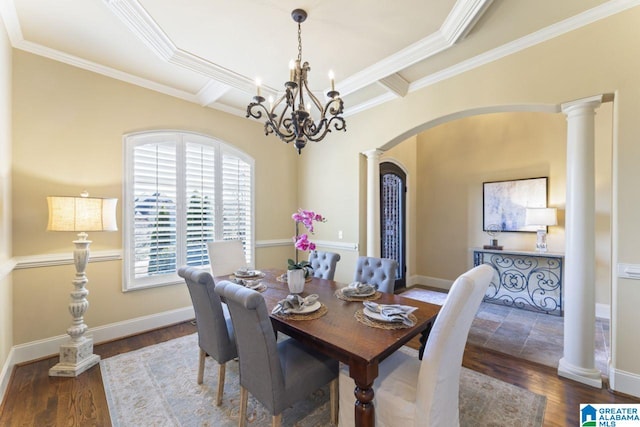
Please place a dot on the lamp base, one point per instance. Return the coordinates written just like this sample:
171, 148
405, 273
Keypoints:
541, 240
75, 358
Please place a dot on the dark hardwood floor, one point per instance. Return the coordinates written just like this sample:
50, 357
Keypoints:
35, 399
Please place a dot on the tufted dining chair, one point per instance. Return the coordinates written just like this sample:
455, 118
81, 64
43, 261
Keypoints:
414, 393
215, 331
324, 264
377, 271
226, 256
277, 374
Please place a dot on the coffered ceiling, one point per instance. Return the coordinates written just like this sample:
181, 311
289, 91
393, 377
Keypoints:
211, 51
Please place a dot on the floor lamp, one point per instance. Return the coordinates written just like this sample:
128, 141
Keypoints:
79, 214
541, 217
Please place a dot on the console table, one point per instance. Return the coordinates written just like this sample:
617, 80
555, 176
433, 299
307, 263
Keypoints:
527, 280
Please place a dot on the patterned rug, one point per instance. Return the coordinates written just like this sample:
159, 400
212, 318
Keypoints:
156, 386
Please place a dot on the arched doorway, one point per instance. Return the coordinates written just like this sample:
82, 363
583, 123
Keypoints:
578, 348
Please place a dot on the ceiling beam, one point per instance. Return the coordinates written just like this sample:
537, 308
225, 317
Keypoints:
396, 84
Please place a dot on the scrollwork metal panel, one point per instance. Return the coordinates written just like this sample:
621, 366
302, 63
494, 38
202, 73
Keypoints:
527, 281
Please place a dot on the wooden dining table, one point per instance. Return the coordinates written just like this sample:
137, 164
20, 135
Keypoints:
340, 335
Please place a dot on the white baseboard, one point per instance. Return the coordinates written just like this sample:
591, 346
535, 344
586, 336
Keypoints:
603, 311
433, 282
624, 382
5, 375
50, 346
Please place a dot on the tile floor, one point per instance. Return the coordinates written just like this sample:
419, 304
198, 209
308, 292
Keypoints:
532, 336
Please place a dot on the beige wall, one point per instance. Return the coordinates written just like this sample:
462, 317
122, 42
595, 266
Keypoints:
447, 165
589, 61
6, 298
68, 127
68, 124
454, 160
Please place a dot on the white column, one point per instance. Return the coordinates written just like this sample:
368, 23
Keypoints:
578, 361
373, 202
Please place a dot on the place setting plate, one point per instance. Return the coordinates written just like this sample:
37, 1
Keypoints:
367, 296
249, 274
306, 309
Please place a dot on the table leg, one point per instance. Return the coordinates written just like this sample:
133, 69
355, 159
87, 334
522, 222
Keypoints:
364, 411
424, 335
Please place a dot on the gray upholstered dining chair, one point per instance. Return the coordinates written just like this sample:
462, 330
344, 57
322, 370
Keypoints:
414, 393
377, 271
277, 374
226, 256
324, 264
215, 331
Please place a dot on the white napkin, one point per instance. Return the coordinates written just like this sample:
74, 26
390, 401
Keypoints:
358, 289
294, 303
392, 312
247, 283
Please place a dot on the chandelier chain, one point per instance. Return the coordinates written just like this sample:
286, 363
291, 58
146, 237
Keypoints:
299, 43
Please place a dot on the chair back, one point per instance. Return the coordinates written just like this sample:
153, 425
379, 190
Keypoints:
226, 256
439, 376
260, 370
215, 333
324, 264
377, 271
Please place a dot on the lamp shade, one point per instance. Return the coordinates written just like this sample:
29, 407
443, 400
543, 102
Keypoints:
81, 214
541, 216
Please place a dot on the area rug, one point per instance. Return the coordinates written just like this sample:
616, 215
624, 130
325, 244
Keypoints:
156, 386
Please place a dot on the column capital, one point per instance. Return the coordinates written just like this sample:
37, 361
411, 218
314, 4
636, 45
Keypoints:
591, 102
373, 153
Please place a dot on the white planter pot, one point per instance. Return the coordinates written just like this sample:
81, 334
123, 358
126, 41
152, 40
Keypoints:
295, 281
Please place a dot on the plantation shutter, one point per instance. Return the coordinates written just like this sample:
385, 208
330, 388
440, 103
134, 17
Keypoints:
200, 201
154, 193
182, 190
237, 201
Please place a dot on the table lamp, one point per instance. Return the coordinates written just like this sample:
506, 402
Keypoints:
79, 214
541, 217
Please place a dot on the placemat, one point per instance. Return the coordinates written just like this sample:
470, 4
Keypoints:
373, 297
311, 316
362, 318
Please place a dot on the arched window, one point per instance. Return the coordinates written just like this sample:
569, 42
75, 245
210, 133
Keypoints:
181, 191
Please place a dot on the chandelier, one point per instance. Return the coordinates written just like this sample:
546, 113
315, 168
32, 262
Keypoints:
291, 116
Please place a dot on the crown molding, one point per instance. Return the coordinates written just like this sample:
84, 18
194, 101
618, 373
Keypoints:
462, 18
585, 18
143, 26
458, 23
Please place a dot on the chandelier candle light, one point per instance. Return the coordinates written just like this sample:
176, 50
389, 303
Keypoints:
293, 122
80, 214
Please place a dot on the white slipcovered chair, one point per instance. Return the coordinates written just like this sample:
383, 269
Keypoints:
414, 393
226, 256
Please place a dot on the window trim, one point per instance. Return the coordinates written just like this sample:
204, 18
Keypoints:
132, 140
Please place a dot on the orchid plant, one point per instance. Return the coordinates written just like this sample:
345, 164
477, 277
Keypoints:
301, 241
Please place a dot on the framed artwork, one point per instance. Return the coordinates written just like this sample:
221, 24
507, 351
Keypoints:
505, 203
